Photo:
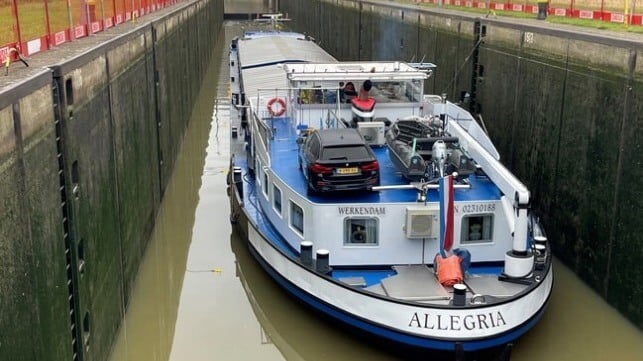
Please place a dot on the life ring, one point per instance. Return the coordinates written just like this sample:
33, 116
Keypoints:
281, 109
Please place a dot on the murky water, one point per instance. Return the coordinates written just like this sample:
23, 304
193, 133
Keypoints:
200, 295
247, 6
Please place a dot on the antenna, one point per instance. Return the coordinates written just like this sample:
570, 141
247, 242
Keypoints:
273, 18
427, 67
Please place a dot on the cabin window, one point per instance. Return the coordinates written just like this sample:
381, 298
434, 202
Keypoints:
358, 231
297, 218
317, 96
477, 229
415, 91
396, 91
265, 183
276, 195
314, 145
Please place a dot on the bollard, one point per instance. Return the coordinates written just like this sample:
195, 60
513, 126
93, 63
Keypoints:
306, 253
541, 255
459, 294
542, 9
322, 264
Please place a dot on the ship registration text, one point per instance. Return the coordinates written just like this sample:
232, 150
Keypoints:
475, 208
478, 321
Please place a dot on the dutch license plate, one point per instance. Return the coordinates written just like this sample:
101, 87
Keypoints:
351, 170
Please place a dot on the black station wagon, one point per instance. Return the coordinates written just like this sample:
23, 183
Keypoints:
337, 160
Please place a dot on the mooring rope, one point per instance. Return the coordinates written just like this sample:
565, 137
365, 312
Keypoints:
461, 66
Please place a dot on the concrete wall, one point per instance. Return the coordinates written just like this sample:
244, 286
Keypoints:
87, 147
33, 297
561, 105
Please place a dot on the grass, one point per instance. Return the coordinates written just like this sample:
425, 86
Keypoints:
33, 21
588, 23
596, 24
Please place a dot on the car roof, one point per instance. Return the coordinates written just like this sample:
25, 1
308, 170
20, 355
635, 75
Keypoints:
340, 136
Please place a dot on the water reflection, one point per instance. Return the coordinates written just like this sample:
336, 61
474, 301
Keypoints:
579, 325
296, 332
247, 6
148, 329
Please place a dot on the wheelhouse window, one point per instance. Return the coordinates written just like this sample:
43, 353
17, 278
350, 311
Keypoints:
477, 229
314, 145
360, 231
276, 195
297, 218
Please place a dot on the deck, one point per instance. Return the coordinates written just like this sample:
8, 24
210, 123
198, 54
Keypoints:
283, 154
419, 283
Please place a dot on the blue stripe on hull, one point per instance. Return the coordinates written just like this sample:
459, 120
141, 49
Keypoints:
433, 344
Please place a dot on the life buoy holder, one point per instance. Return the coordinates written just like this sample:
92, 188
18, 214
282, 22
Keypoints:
279, 110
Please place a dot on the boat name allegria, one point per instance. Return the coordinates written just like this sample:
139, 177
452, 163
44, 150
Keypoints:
361, 211
456, 322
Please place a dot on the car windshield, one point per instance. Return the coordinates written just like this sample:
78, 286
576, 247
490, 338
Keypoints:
345, 153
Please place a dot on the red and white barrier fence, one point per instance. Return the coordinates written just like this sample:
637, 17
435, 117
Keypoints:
605, 15
88, 24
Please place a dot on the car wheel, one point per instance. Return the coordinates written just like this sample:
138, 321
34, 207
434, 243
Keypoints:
310, 190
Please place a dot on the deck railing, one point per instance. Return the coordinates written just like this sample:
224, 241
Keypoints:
262, 133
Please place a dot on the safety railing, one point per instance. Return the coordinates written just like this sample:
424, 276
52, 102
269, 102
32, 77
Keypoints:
615, 11
30, 26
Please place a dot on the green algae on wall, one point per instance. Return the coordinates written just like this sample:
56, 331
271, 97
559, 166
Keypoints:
86, 150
